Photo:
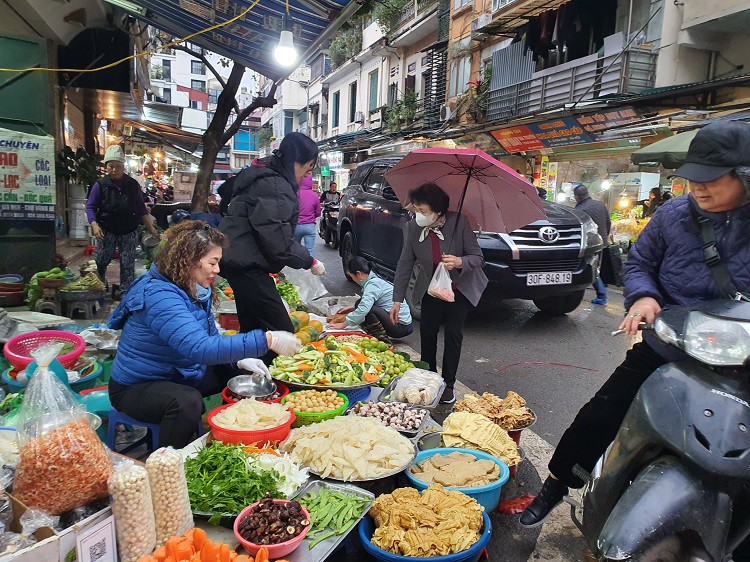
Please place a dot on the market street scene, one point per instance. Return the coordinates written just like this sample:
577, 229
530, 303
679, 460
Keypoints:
379, 280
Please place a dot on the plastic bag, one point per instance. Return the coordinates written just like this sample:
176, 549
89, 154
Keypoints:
441, 286
310, 286
169, 492
419, 386
327, 306
63, 464
34, 519
133, 510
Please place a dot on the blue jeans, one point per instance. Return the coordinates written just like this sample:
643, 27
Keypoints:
601, 290
305, 234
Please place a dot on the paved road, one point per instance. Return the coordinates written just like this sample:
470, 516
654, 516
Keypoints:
555, 363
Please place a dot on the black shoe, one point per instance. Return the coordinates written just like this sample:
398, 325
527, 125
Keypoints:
448, 397
550, 496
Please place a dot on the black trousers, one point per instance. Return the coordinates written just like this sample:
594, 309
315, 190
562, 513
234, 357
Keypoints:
382, 316
175, 407
436, 312
598, 422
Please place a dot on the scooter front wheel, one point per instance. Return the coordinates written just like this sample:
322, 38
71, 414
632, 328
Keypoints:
670, 549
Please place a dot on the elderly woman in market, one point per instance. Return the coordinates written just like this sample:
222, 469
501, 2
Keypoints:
170, 354
665, 266
115, 209
438, 236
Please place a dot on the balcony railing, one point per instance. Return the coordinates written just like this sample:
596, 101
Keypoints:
415, 8
587, 78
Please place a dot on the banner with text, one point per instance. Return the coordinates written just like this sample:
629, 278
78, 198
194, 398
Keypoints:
27, 176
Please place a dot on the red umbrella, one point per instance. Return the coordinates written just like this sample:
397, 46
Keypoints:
491, 195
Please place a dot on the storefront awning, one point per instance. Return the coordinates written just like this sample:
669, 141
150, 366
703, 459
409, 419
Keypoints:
251, 39
161, 133
669, 152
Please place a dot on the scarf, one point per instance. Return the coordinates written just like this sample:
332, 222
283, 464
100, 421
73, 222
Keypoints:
434, 227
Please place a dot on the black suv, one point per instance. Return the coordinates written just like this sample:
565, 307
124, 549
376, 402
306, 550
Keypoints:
550, 261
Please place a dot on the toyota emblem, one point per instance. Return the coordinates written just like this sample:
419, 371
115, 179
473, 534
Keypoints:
549, 234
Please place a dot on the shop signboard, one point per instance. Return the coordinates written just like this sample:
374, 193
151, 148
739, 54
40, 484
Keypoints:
552, 181
544, 172
598, 125
27, 176
517, 139
335, 159
560, 132
325, 171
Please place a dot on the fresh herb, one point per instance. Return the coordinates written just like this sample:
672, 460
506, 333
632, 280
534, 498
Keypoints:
220, 482
11, 402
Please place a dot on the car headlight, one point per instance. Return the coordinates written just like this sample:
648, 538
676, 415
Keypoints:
589, 235
665, 333
717, 342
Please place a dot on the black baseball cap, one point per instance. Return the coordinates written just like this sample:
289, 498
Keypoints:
716, 150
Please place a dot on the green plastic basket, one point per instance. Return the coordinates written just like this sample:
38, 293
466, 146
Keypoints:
307, 418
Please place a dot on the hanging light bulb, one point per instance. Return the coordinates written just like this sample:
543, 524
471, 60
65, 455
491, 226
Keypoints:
285, 53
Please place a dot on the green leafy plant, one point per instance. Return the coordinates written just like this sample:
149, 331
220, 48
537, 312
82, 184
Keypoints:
346, 44
410, 106
474, 100
393, 116
265, 137
78, 166
389, 14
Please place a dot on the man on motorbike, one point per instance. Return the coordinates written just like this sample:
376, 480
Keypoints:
330, 196
666, 265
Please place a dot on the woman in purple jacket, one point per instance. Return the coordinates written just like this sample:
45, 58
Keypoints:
665, 266
309, 210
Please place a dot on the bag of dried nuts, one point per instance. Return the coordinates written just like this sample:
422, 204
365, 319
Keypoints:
63, 464
169, 492
133, 510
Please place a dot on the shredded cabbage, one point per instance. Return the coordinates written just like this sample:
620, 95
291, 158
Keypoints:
291, 476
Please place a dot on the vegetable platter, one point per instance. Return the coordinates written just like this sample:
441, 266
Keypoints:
319, 546
328, 363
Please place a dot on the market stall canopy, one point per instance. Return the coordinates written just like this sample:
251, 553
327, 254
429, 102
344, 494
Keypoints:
669, 152
162, 133
251, 39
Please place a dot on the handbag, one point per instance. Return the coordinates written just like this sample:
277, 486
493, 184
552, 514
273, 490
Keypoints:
611, 270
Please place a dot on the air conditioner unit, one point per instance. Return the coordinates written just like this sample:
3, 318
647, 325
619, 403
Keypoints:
479, 23
127, 130
359, 117
446, 113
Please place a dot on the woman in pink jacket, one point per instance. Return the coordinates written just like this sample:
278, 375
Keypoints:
309, 210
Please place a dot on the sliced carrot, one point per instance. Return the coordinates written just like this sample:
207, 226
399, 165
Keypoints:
148, 558
199, 537
378, 368
305, 367
160, 554
224, 551
262, 555
325, 381
369, 377
243, 558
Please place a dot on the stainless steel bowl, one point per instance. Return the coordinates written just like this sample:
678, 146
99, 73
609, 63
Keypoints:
252, 386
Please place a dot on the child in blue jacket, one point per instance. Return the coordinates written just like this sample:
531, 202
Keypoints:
170, 354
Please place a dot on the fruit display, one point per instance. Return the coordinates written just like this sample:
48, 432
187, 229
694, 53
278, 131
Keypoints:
328, 363
314, 401
90, 282
306, 330
55, 273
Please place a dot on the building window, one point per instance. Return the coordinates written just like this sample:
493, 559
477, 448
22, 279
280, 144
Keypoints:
166, 95
460, 69
240, 160
213, 96
458, 4
374, 82
199, 85
167, 72
288, 121
412, 67
425, 60
254, 141
392, 94
242, 141
197, 67
352, 102
335, 109
195, 104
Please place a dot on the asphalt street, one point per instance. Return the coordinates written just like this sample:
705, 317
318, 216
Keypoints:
555, 363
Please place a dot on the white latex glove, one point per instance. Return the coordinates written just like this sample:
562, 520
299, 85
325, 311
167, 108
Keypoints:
318, 268
254, 366
284, 343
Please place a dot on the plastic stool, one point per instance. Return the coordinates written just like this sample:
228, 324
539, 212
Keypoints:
86, 308
152, 431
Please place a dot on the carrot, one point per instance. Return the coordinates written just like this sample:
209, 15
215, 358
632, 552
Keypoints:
243, 558
378, 368
325, 381
369, 377
183, 550
223, 554
262, 555
260, 450
209, 551
160, 554
305, 367
148, 558
199, 537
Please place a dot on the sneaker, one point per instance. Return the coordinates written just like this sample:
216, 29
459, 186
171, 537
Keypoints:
448, 397
550, 496
597, 300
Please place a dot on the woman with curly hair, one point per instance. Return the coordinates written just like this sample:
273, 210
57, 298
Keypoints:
169, 337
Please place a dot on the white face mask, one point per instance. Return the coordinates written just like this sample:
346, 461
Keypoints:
425, 220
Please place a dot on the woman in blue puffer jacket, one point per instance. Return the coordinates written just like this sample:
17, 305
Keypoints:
665, 266
169, 337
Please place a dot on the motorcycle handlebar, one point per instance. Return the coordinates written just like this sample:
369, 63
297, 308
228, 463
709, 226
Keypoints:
642, 326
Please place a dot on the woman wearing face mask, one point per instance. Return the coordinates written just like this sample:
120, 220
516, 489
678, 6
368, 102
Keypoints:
260, 226
169, 336
437, 236
373, 309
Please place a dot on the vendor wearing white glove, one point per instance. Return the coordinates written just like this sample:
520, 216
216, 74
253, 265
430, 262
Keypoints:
252, 365
318, 268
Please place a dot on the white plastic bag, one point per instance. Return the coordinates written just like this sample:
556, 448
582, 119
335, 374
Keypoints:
133, 510
440, 286
310, 286
419, 386
169, 492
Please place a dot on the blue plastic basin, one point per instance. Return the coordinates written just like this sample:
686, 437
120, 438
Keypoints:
471, 554
487, 496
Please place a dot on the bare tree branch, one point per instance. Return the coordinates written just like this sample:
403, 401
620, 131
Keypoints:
259, 101
204, 60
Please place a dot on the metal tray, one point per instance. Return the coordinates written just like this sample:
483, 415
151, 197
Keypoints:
410, 434
325, 548
295, 385
381, 477
388, 390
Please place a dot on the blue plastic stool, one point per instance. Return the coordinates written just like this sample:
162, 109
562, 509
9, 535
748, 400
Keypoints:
152, 431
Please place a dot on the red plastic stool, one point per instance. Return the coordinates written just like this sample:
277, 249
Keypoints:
90, 250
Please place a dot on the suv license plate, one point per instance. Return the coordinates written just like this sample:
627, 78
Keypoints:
559, 278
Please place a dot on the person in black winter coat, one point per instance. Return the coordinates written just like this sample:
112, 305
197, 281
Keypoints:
260, 226
599, 214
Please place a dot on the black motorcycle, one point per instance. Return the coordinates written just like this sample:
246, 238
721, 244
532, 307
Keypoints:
674, 485
329, 228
